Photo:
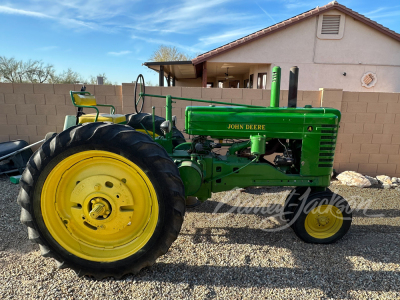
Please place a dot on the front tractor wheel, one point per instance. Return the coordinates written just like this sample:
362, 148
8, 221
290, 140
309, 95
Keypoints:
102, 199
323, 218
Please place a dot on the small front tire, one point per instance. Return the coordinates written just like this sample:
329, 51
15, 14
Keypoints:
324, 218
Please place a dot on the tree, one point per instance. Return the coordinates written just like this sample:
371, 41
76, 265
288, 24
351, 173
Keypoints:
149, 83
168, 53
33, 71
68, 76
10, 69
37, 72
93, 79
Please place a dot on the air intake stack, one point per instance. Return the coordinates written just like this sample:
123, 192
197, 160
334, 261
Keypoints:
275, 86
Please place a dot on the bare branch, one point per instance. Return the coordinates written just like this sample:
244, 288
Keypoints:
167, 53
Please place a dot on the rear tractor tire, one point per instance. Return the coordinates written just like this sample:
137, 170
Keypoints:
102, 199
144, 120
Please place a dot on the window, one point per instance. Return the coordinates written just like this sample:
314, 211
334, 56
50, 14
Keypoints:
246, 83
262, 81
251, 81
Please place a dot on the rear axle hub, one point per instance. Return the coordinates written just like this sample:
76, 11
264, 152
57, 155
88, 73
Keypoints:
100, 208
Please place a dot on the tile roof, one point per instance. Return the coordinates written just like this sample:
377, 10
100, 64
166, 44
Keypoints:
292, 21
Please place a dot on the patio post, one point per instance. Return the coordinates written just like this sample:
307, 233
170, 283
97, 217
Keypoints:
161, 76
204, 82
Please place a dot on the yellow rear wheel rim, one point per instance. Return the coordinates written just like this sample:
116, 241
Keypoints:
99, 206
148, 131
324, 221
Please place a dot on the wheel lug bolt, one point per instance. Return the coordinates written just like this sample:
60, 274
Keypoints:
107, 212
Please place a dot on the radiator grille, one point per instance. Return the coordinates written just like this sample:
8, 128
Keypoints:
327, 146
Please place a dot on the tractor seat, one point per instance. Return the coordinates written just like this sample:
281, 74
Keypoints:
87, 100
102, 118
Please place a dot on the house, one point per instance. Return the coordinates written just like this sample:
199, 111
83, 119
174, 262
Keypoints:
334, 47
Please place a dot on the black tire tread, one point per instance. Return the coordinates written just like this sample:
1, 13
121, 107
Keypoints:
93, 133
292, 203
146, 119
298, 225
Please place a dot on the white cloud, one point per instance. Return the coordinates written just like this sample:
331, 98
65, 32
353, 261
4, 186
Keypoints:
294, 4
183, 16
268, 15
375, 11
188, 15
93, 9
383, 12
14, 11
79, 15
82, 25
120, 53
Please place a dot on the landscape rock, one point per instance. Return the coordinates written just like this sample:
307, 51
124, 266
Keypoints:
351, 178
385, 180
373, 180
395, 179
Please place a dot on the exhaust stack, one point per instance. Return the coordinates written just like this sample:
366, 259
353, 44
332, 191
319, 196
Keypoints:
293, 84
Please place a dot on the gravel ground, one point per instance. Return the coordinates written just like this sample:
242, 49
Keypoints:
228, 255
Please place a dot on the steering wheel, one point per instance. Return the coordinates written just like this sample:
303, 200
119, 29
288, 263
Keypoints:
140, 100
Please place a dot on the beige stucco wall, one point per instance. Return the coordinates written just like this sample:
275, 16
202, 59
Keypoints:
360, 44
189, 82
322, 62
368, 140
312, 76
293, 44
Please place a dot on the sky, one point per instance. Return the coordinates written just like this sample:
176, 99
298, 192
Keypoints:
116, 37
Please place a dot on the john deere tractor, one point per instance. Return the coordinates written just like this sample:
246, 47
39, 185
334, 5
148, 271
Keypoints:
106, 196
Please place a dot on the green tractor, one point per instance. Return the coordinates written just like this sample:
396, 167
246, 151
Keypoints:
106, 197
